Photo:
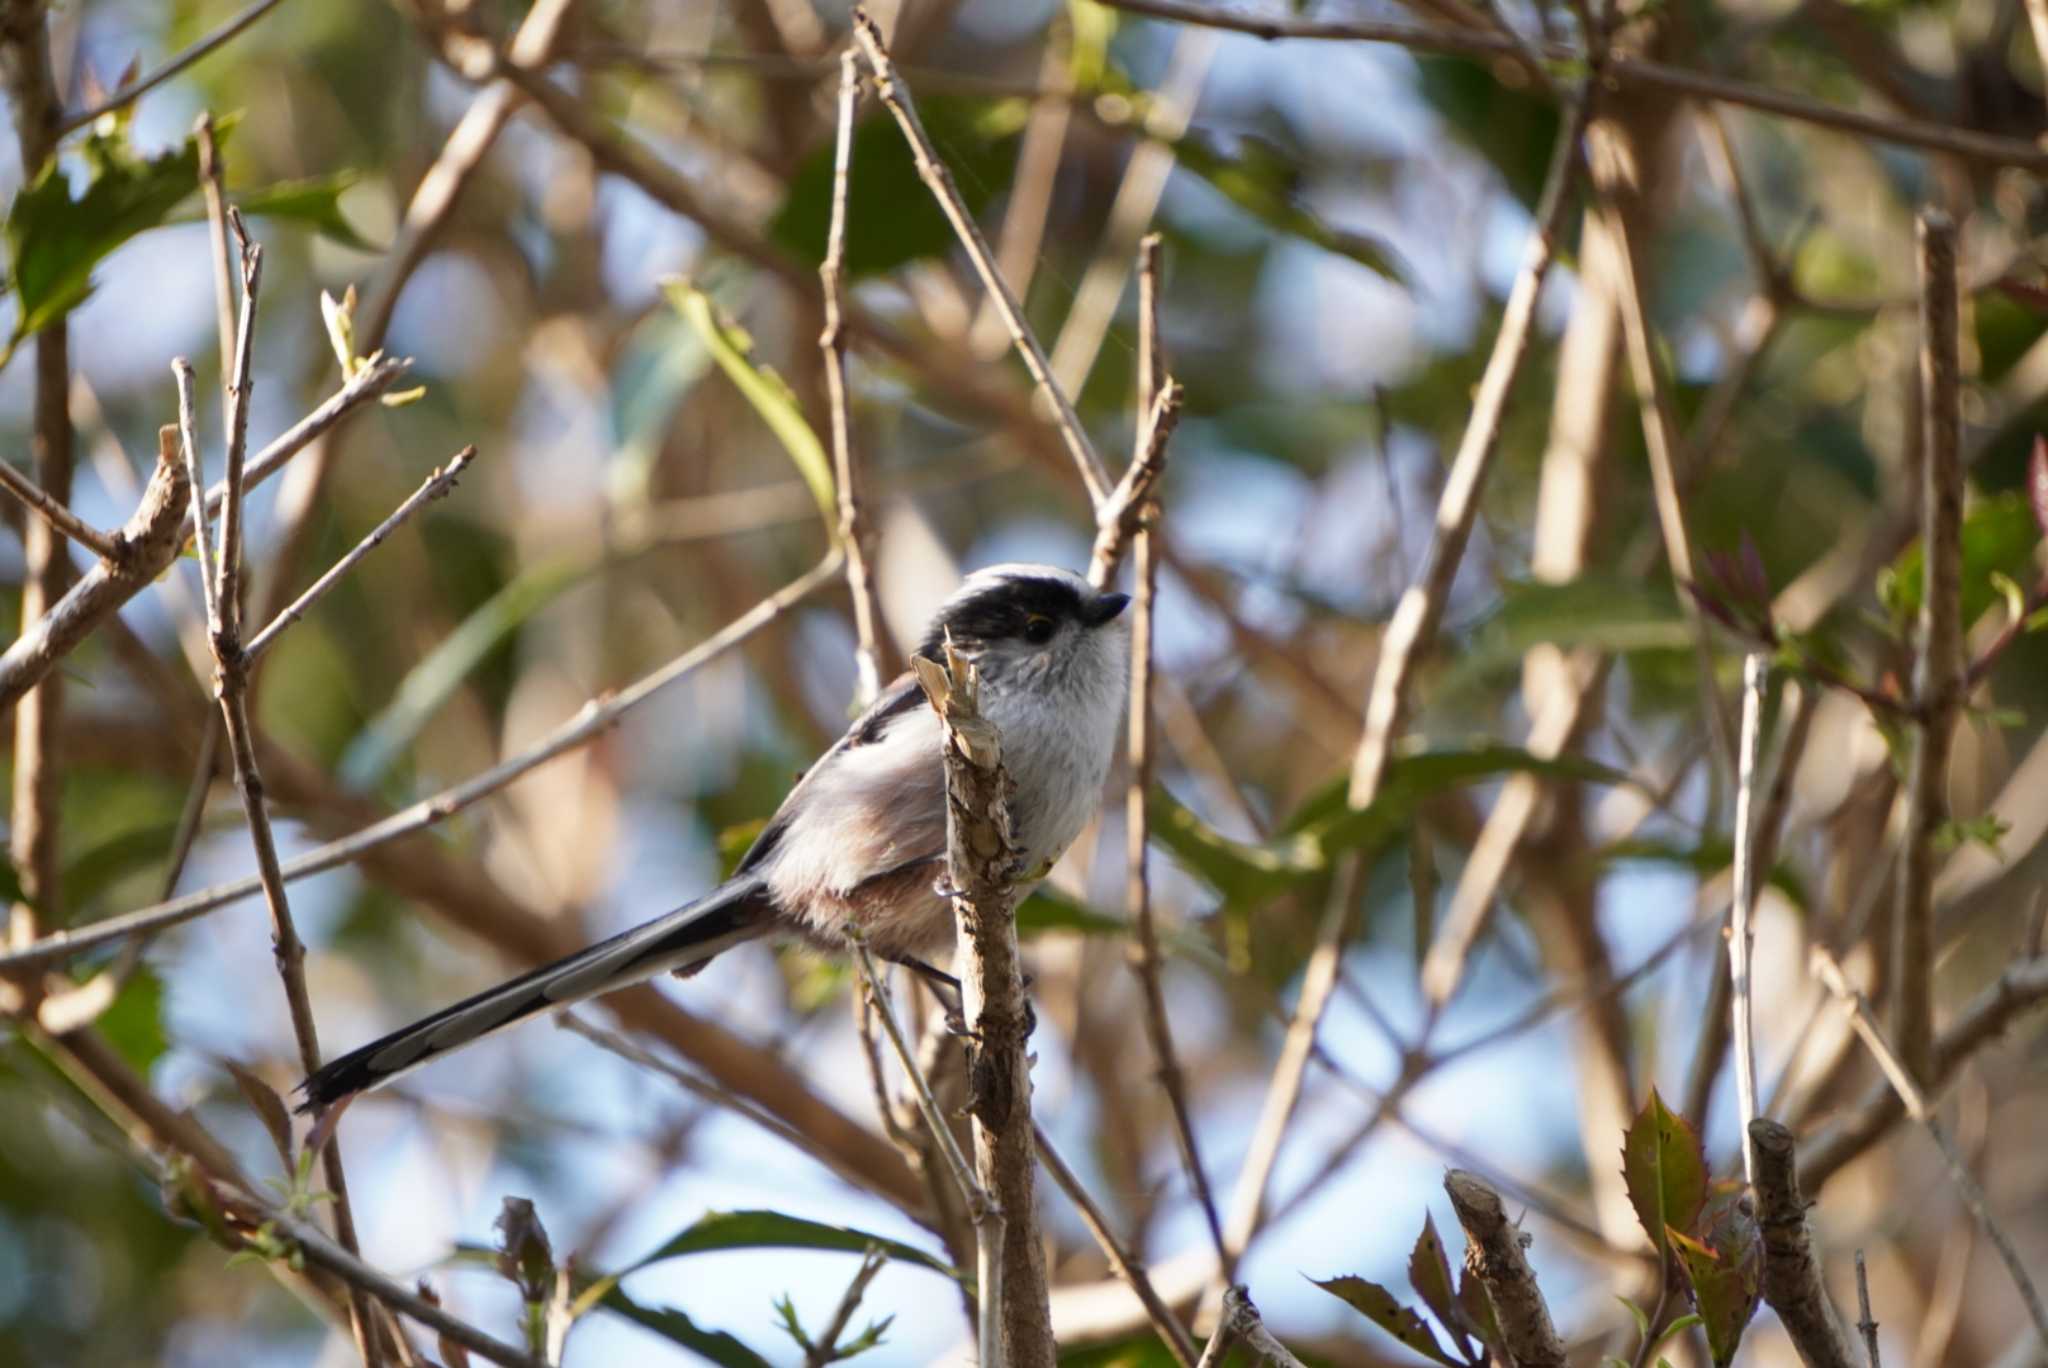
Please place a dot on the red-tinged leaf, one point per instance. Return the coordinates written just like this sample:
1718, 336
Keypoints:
452, 1354
1756, 581
1378, 1305
1664, 1170
269, 1108
1725, 1281
2037, 484
1711, 605
1429, 1273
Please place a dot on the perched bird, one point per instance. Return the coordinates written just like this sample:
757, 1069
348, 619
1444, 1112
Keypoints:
861, 840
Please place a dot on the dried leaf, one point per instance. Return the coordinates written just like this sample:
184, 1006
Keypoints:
1378, 1305
1429, 1273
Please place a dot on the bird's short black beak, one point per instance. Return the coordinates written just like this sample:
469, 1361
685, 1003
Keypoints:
1104, 608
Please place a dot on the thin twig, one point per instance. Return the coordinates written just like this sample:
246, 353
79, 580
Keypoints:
1937, 670
854, 534
231, 682
1408, 636
129, 94
896, 97
195, 473
595, 717
1122, 1261
1143, 951
63, 519
1741, 931
104, 588
1791, 1277
826, 1349
982, 1207
1121, 514
1899, 1074
1866, 1324
213, 184
1621, 70
437, 484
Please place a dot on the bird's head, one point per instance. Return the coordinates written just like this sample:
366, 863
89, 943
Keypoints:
1033, 623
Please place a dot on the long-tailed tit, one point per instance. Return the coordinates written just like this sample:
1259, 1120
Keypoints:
861, 840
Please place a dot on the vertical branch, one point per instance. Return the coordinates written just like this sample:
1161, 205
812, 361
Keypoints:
853, 531
231, 679
1866, 1325
1792, 1279
211, 181
1143, 953
1741, 933
1494, 1255
980, 860
1937, 672
46, 570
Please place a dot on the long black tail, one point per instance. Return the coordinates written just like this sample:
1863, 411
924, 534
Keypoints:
682, 940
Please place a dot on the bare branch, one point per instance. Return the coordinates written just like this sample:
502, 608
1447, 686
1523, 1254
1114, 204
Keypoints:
1938, 667
1792, 1279
1124, 511
1494, 1255
1241, 1324
212, 184
1741, 931
1865, 1324
63, 519
1619, 69
437, 485
854, 534
129, 94
1122, 1261
1900, 1075
825, 1351
595, 717
896, 97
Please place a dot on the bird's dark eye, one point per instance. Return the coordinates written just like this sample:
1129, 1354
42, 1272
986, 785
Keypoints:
1038, 629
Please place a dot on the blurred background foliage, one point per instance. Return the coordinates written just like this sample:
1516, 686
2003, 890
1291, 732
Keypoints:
1342, 223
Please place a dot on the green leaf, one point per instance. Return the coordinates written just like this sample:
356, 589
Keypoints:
1515, 130
1724, 1269
891, 217
314, 202
1986, 829
1141, 1350
1708, 856
1478, 1306
768, 392
773, 1230
1325, 827
1378, 1305
1664, 1170
1999, 537
134, 1024
677, 1328
268, 1106
55, 241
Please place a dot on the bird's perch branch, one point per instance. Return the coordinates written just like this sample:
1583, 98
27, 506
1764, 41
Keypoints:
981, 860
1792, 1281
38, 500
1493, 1253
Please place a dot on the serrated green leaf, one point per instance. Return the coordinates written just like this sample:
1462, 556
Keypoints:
718, 1230
768, 392
54, 241
1664, 1170
1380, 1307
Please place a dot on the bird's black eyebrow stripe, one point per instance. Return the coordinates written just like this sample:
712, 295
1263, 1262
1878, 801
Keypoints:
1002, 608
